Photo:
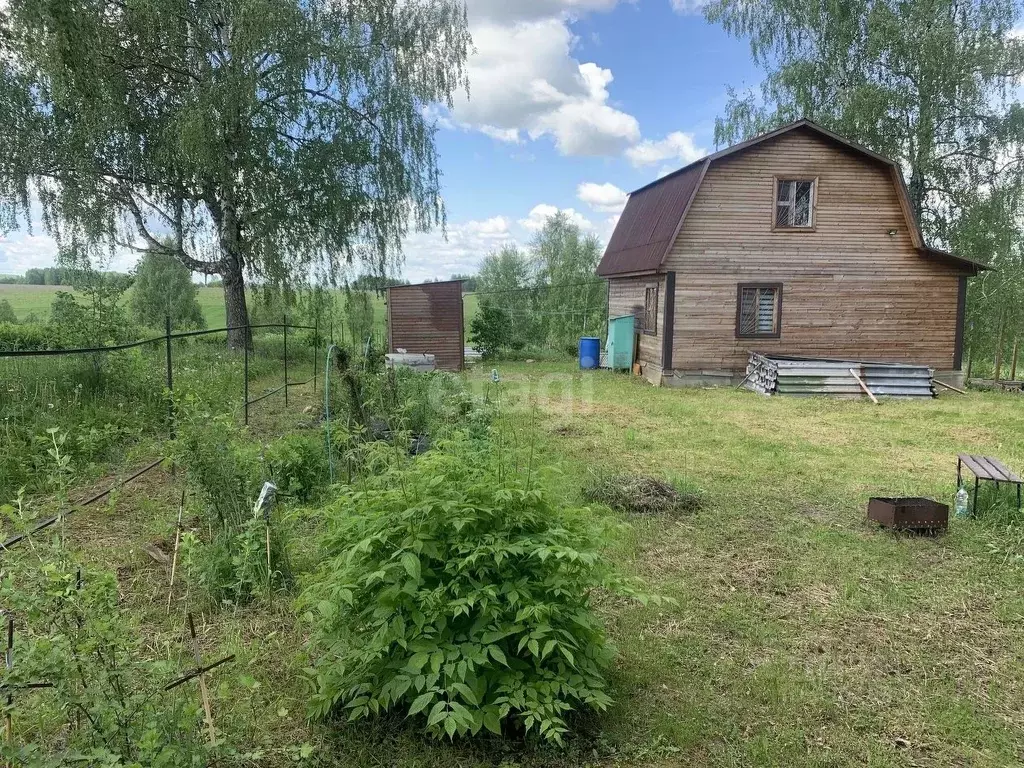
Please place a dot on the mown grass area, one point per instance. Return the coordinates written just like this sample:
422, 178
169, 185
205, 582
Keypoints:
35, 300
800, 635
803, 634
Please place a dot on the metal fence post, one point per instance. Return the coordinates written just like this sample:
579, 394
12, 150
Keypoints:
284, 322
316, 347
248, 338
170, 380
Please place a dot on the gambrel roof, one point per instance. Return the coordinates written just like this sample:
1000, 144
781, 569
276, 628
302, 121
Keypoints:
654, 214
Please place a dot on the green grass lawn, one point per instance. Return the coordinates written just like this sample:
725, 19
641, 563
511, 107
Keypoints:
800, 634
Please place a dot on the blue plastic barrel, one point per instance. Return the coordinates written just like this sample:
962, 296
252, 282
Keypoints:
590, 352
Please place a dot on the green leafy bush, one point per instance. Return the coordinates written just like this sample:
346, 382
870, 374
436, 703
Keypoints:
163, 288
461, 599
491, 330
104, 679
298, 465
7, 312
25, 336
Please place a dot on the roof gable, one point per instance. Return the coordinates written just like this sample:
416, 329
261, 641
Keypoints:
655, 213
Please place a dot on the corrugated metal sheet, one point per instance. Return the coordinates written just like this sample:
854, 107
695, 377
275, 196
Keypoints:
808, 377
427, 320
649, 223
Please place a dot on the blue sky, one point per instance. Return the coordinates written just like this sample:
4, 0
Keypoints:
572, 104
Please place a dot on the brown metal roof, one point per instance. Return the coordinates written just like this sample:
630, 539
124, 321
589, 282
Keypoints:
655, 213
650, 222
951, 260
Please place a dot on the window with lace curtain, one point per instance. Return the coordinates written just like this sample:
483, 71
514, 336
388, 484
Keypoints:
759, 311
794, 203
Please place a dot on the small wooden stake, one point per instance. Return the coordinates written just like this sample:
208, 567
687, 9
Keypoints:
1013, 364
9, 662
270, 572
207, 709
177, 541
864, 386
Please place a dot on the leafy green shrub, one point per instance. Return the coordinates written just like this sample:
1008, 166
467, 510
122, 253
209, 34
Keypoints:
101, 319
491, 330
298, 465
461, 599
417, 403
25, 336
7, 312
163, 288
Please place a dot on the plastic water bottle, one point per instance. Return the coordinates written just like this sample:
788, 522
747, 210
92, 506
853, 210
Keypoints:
960, 506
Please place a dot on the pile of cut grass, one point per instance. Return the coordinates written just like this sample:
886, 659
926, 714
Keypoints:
642, 495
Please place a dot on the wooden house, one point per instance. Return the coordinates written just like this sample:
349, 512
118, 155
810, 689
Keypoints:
796, 242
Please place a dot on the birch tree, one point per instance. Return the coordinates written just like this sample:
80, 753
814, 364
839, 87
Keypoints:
250, 139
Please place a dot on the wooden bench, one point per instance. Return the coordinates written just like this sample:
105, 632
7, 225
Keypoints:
986, 468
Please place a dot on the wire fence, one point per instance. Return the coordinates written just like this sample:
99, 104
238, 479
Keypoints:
103, 400
167, 342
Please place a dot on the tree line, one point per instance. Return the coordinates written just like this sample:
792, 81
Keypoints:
543, 297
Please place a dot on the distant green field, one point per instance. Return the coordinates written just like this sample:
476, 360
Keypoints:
36, 300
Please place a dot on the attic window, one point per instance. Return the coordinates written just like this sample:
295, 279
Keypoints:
759, 311
794, 203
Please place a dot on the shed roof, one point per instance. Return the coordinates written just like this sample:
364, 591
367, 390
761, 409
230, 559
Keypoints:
655, 213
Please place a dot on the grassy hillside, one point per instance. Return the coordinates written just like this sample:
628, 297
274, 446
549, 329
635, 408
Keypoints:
36, 299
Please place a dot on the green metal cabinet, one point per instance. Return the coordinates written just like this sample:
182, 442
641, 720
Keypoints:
621, 335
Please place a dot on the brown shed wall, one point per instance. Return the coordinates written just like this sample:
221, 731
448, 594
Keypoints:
850, 289
427, 319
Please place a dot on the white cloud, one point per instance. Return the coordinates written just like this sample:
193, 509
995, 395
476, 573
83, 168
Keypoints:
510, 135
526, 10
525, 82
493, 228
540, 214
431, 255
677, 146
609, 225
687, 7
20, 251
605, 198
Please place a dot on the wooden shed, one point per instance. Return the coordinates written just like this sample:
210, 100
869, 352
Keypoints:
427, 319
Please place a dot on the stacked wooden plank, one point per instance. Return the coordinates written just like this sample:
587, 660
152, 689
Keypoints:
810, 377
